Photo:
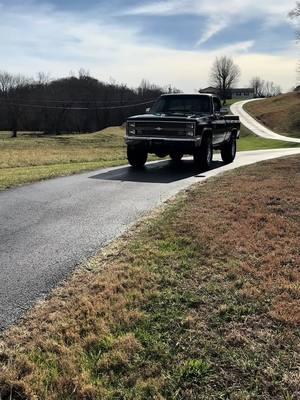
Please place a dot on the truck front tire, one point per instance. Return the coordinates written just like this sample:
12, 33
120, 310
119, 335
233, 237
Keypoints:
204, 154
136, 157
228, 151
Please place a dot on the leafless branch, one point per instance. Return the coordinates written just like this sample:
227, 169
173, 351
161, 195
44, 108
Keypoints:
224, 75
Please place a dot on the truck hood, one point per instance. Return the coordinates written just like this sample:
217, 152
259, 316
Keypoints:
155, 117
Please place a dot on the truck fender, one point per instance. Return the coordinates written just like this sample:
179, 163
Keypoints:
236, 133
205, 132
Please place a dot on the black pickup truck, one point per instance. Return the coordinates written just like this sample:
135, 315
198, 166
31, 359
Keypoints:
179, 124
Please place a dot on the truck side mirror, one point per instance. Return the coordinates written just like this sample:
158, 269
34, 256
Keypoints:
224, 111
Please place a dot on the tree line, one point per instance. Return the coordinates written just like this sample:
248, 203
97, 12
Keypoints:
78, 103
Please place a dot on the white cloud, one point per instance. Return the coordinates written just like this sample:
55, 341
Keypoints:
210, 7
40, 38
236, 48
159, 8
214, 26
224, 12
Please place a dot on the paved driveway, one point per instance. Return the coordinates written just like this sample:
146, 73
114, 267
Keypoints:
255, 126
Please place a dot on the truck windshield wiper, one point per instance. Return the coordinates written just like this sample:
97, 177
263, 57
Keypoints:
198, 113
185, 113
175, 113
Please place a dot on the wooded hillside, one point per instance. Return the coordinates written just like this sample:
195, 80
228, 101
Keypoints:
73, 104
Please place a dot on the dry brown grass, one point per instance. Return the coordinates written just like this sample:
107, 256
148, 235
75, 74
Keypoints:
202, 303
281, 113
35, 150
30, 157
264, 231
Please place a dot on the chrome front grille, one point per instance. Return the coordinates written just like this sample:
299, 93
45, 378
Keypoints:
165, 128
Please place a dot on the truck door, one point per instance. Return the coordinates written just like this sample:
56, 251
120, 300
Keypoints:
219, 122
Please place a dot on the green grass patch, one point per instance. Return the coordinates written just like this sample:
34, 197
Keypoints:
232, 101
248, 141
11, 177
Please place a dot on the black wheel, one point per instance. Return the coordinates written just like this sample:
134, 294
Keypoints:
228, 151
137, 157
176, 156
204, 154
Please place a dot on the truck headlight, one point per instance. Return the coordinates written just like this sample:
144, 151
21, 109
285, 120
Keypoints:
131, 128
190, 129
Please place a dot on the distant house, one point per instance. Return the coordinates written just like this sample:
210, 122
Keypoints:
245, 93
210, 90
235, 93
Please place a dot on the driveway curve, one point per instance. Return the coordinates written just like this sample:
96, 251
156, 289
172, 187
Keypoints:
49, 228
257, 128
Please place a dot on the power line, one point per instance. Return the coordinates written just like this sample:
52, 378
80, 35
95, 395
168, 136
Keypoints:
68, 101
22, 105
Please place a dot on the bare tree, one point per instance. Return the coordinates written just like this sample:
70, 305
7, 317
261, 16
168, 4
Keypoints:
277, 90
295, 14
264, 88
224, 75
11, 85
257, 84
271, 90
43, 78
145, 88
171, 89
83, 73
268, 89
7, 82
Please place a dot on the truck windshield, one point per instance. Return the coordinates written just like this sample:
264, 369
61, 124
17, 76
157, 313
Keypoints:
186, 105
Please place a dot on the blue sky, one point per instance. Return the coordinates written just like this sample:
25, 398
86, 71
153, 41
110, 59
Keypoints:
169, 41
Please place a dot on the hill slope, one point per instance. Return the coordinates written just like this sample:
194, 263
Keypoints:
281, 113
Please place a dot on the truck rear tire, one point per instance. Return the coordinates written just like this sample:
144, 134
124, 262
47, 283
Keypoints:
204, 154
176, 156
228, 151
136, 157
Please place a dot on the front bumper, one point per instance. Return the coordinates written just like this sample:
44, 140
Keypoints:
149, 139
165, 145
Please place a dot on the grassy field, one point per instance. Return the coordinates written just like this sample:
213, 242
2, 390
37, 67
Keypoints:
249, 141
281, 113
211, 313
231, 101
31, 158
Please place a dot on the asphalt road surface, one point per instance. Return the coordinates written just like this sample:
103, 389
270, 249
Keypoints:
48, 228
255, 126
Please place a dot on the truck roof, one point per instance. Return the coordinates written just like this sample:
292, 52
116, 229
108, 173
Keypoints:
190, 94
